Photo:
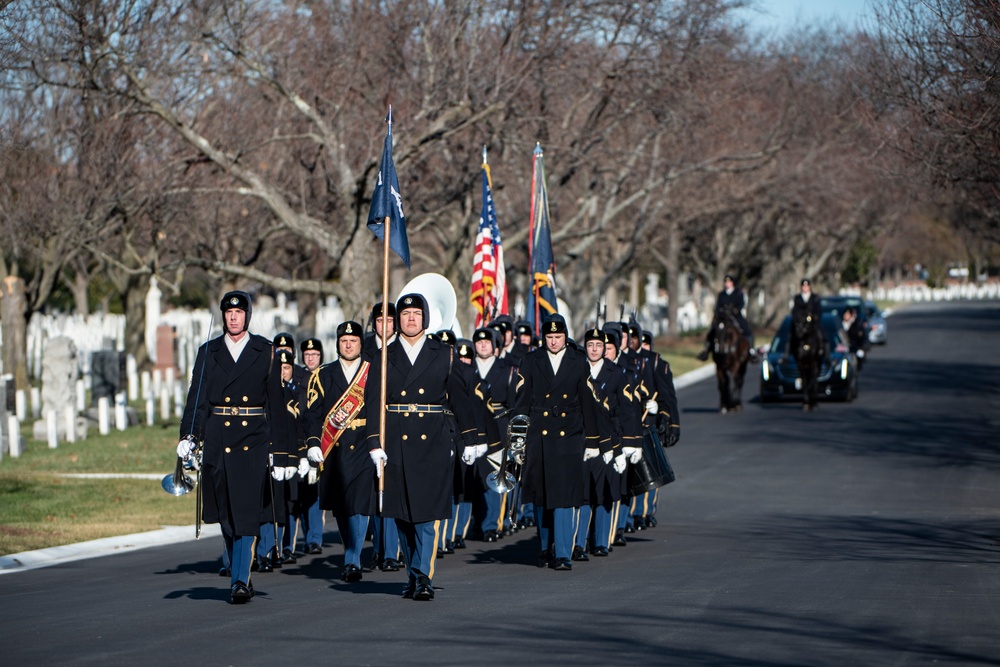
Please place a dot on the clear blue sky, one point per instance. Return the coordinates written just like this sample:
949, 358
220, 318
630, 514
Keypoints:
781, 15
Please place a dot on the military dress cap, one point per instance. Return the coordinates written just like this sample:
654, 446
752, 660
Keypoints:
285, 357
554, 324
805, 281
647, 337
593, 334
523, 328
446, 336
238, 299
613, 332
284, 339
730, 277
312, 344
465, 348
485, 333
414, 300
505, 322
349, 328
377, 310
634, 330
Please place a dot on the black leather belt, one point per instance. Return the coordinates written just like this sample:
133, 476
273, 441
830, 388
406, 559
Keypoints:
235, 411
414, 407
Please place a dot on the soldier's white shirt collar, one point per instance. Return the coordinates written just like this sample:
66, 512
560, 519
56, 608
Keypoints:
805, 295
556, 360
595, 369
350, 367
484, 365
236, 347
412, 351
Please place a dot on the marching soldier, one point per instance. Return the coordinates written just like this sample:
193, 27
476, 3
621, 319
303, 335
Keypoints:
303, 495
555, 392
234, 406
603, 465
293, 379
335, 425
415, 455
497, 380
385, 537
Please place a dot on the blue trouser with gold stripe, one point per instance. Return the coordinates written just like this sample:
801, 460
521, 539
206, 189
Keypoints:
385, 538
555, 528
418, 541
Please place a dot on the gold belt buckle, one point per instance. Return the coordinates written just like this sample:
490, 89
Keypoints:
234, 411
412, 407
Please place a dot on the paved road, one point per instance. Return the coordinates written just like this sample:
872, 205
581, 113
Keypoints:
861, 534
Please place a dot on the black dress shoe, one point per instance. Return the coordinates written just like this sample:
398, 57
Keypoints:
599, 552
639, 523
240, 594
619, 539
410, 590
562, 564
545, 559
459, 542
288, 557
449, 547
440, 553
224, 572
650, 522
275, 559
313, 549
629, 528
424, 592
351, 573
391, 565
580, 554
265, 565
490, 536
254, 565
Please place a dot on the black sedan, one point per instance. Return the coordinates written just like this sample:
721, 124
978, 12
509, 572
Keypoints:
838, 376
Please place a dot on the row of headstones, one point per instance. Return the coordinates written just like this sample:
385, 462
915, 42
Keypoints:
160, 389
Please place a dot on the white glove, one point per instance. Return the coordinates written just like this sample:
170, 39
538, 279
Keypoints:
379, 459
278, 474
634, 456
619, 464
861, 354
290, 472
652, 407
184, 448
303, 467
469, 455
591, 453
315, 455
313, 476
608, 455
481, 450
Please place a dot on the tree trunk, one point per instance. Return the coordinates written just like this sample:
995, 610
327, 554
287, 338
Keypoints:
13, 306
134, 299
78, 286
673, 279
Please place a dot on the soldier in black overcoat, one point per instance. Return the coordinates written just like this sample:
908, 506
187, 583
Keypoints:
347, 483
556, 395
416, 453
234, 407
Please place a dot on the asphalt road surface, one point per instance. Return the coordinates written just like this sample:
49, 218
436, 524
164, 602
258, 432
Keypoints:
861, 534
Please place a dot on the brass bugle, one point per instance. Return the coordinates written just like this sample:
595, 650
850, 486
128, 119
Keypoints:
177, 483
502, 481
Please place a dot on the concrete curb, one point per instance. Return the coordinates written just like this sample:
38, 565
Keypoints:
31, 560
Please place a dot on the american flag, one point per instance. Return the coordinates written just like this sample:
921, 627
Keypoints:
489, 280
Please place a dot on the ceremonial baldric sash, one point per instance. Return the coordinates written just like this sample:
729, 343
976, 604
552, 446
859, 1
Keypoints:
344, 410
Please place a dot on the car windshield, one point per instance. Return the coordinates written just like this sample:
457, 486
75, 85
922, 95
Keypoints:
834, 335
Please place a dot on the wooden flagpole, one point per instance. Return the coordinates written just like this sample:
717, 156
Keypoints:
386, 225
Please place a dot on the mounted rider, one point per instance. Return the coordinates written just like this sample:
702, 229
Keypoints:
734, 299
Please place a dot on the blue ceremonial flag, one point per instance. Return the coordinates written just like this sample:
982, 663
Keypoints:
388, 203
542, 297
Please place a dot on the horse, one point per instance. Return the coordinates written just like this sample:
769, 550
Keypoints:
731, 354
808, 351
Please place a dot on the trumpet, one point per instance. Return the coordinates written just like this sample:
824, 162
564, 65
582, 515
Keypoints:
179, 484
502, 480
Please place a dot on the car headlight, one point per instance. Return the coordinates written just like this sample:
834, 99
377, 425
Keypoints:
765, 371
843, 369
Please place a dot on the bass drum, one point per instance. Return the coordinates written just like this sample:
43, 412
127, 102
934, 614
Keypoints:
653, 469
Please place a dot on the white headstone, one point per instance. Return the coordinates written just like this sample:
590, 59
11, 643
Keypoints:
69, 417
13, 436
81, 396
20, 406
103, 415
152, 317
52, 429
